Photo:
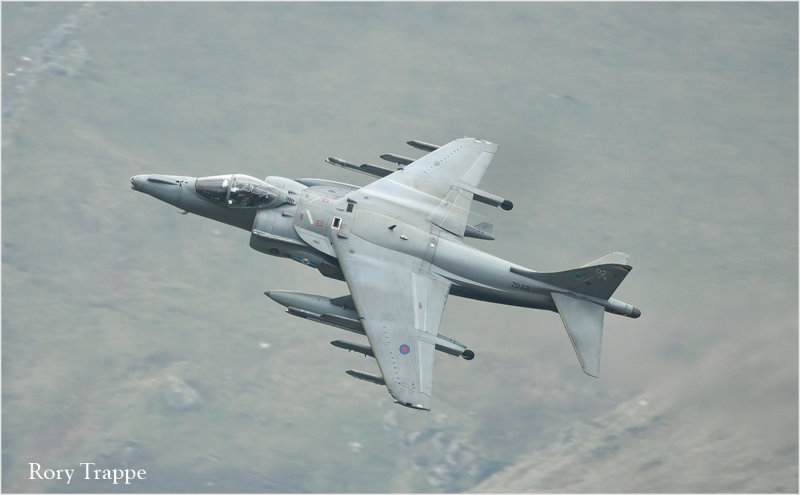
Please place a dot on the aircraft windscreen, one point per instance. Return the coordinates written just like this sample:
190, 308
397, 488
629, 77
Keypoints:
236, 191
214, 189
249, 192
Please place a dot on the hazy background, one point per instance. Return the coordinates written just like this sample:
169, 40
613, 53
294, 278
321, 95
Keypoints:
134, 336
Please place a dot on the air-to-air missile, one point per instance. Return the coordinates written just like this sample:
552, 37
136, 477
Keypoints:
340, 313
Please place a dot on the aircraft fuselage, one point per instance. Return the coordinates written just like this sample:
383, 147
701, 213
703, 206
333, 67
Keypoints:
303, 230
399, 245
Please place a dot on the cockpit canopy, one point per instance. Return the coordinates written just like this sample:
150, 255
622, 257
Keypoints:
237, 191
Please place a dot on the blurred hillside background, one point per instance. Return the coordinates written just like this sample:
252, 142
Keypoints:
135, 336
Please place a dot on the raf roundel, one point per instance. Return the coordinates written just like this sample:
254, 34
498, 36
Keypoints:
404, 349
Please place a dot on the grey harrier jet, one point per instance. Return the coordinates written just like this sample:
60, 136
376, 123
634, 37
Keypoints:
398, 244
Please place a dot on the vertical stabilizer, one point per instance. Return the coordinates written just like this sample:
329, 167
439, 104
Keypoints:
615, 258
593, 279
584, 323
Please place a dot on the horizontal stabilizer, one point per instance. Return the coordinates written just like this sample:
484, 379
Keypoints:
584, 323
350, 346
421, 145
377, 380
400, 160
364, 168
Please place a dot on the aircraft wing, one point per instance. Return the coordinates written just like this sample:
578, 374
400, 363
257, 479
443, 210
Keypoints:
401, 308
444, 180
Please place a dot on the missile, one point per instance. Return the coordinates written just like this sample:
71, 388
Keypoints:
484, 197
377, 380
453, 347
350, 346
312, 303
340, 313
420, 145
339, 162
328, 319
334, 312
400, 160
364, 168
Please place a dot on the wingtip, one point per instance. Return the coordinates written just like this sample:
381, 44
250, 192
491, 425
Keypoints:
594, 373
407, 398
419, 407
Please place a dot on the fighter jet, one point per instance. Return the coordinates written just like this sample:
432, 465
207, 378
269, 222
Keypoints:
398, 243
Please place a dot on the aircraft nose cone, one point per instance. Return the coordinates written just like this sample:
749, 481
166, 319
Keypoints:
167, 188
136, 182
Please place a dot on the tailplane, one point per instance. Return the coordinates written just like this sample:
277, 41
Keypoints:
582, 296
584, 323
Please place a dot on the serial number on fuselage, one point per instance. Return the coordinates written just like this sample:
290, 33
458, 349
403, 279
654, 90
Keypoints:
517, 285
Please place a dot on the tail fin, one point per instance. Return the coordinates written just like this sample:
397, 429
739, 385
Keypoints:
584, 323
583, 319
599, 279
615, 258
